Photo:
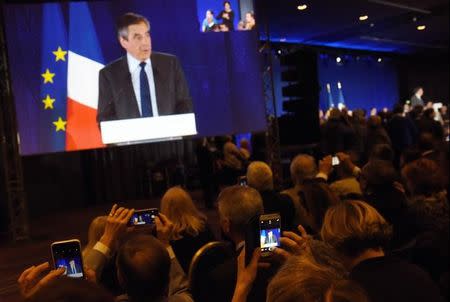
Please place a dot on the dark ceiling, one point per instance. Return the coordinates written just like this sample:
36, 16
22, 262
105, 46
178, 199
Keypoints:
335, 23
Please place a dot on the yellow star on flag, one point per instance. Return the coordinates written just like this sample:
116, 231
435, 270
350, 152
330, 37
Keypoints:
48, 101
60, 54
48, 76
60, 124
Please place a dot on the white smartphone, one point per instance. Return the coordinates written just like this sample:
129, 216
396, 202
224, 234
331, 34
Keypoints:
67, 254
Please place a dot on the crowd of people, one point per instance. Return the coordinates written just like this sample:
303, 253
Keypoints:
224, 21
373, 226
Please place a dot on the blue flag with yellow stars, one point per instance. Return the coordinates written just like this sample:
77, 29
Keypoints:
53, 88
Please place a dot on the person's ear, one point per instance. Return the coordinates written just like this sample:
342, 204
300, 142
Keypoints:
123, 42
226, 225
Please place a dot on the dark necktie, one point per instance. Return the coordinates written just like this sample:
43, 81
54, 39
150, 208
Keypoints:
146, 100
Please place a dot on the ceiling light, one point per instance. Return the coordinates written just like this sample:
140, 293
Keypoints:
302, 7
421, 27
338, 60
363, 18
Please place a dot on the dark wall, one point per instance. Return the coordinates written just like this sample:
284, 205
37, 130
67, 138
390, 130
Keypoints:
430, 72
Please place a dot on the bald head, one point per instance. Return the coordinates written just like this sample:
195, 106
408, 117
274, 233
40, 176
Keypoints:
259, 176
303, 167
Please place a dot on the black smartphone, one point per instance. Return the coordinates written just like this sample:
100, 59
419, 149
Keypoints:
67, 254
143, 217
269, 233
335, 161
242, 181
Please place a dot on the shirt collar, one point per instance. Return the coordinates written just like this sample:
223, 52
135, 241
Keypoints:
133, 63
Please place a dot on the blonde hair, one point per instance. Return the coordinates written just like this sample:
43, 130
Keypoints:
302, 279
95, 232
353, 226
178, 206
260, 176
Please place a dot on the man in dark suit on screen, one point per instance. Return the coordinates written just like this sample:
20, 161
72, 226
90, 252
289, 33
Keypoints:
142, 83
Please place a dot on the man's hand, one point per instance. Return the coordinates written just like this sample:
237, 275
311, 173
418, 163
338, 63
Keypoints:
325, 165
30, 281
346, 161
116, 225
245, 275
164, 229
293, 244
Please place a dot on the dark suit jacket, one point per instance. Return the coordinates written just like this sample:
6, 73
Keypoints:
116, 99
415, 101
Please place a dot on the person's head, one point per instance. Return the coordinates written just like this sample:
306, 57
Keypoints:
227, 6
259, 176
426, 142
423, 177
133, 31
303, 280
250, 18
382, 152
71, 289
143, 267
303, 167
245, 144
377, 175
374, 121
178, 206
353, 227
335, 114
96, 230
209, 15
237, 205
418, 91
223, 27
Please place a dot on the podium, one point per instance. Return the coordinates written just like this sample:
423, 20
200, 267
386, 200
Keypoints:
148, 129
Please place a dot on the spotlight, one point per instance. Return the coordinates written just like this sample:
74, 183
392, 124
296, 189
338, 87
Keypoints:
338, 60
379, 60
421, 27
279, 51
372, 24
363, 18
415, 19
302, 7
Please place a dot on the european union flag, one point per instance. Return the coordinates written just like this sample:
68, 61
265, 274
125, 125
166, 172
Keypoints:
53, 90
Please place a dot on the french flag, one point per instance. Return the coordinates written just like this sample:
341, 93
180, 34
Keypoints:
85, 60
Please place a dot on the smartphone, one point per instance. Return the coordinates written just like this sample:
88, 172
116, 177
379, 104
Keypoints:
67, 254
143, 217
269, 233
335, 161
242, 181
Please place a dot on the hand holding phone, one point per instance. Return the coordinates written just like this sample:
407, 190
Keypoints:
67, 255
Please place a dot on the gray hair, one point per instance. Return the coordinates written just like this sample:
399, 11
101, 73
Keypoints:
260, 176
129, 19
239, 204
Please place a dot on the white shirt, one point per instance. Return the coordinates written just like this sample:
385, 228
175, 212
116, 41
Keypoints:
135, 71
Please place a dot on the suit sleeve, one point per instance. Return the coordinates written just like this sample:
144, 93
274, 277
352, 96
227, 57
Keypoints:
105, 108
182, 96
